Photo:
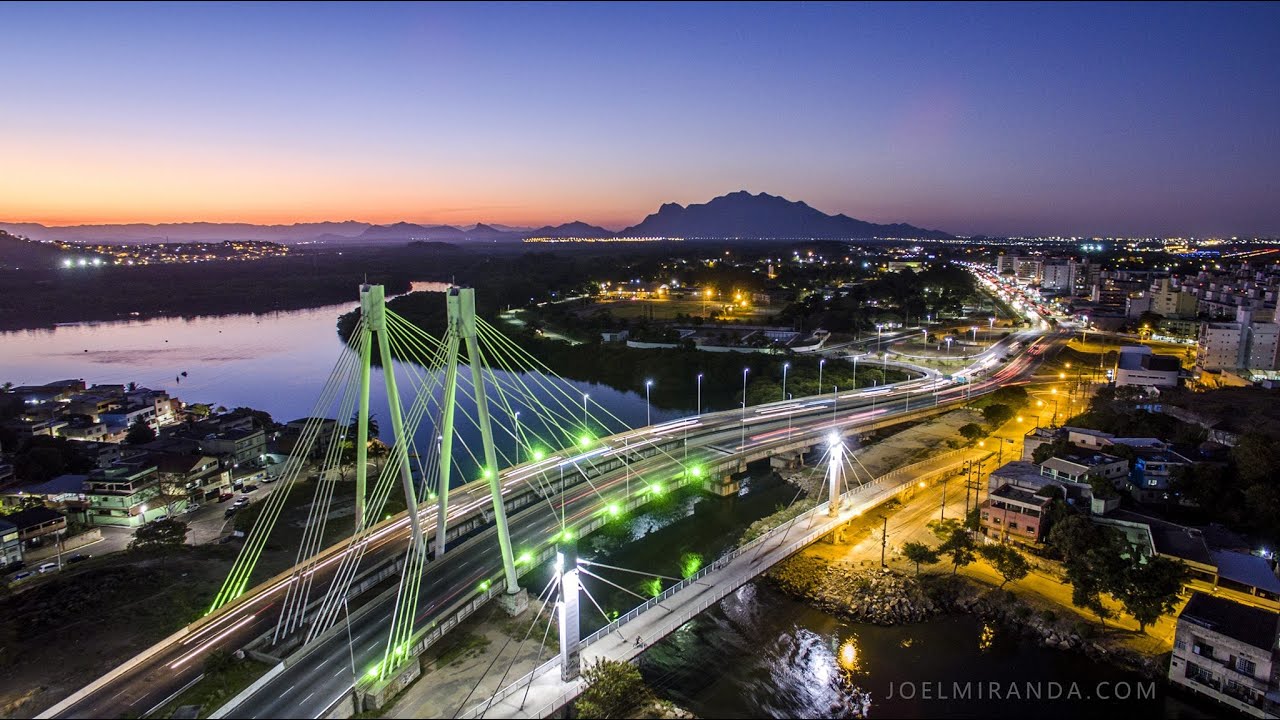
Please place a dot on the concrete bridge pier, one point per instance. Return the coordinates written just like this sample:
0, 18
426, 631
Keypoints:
725, 485
790, 460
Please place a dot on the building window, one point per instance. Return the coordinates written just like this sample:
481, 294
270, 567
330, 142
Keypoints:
1180, 644
1245, 666
1031, 529
1013, 526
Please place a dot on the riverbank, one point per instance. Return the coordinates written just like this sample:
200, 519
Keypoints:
888, 597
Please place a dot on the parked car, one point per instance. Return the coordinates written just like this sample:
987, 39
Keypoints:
223, 497
250, 488
192, 507
230, 511
270, 479
242, 500
78, 557
23, 575
48, 568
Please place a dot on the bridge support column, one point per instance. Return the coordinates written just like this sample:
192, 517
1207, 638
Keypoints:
567, 567
725, 485
462, 319
835, 473
446, 439
374, 311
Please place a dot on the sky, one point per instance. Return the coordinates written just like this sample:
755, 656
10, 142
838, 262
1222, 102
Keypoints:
1018, 119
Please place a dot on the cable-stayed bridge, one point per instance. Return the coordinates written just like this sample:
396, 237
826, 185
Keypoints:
568, 466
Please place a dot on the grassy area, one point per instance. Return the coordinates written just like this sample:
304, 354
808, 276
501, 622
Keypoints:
84, 622
219, 684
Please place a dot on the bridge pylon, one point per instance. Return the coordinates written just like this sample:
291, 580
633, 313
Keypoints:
373, 321
461, 302
835, 473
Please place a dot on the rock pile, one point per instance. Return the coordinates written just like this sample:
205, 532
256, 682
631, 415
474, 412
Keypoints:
875, 596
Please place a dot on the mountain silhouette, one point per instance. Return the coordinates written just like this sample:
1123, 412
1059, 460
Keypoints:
743, 215
577, 229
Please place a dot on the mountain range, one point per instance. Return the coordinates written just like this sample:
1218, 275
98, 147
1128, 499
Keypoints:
739, 215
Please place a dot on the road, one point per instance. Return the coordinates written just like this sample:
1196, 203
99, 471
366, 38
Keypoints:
308, 687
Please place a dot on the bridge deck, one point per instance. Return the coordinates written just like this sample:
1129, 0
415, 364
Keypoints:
666, 613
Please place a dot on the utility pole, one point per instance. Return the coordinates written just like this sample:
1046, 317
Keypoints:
884, 539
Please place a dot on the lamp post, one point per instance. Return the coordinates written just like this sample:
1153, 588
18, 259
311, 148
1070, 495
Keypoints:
744, 393
699, 394
785, 367
648, 407
585, 426
855, 371
974, 328
879, 329
949, 339
821, 362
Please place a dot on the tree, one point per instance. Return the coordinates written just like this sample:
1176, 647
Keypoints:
919, 553
161, 533
261, 418
972, 432
1007, 561
614, 689
943, 529
960, 547
1151, 589
139, 433
998, 414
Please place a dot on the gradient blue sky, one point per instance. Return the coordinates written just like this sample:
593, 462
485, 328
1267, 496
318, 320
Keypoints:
1072, 119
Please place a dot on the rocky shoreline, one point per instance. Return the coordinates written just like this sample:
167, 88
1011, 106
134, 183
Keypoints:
886, 597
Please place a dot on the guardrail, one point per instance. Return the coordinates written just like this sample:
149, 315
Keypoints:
688, 612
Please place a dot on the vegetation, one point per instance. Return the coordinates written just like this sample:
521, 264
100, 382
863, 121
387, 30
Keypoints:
613, 690
972, 432
166, 532
998, 414
224, 677
140, 433
1099, 561
920, 554
1007, 561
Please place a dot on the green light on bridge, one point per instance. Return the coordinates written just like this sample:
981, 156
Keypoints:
656, 488
488, 474
614, 510
696, 471
538, 455
525, 558
373, 672
484, 585
584, 441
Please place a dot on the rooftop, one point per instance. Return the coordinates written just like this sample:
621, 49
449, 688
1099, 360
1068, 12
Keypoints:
1251, 625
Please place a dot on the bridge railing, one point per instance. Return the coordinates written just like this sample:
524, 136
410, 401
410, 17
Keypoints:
690, 611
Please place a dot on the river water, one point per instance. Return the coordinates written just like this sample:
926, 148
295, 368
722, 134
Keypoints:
278, 362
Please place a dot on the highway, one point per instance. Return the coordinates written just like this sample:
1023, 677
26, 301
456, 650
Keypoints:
313, 684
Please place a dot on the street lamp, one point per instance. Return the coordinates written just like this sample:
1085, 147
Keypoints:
699, 393
744, 393
949, 339
974, 328
785, 366
648, 407
585, 426
855, 371
821, 362
879, 329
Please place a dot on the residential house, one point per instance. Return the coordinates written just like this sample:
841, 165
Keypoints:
124, 494
10, 544
199, 476
1226, 651
236, 447
1011, 512
38, 525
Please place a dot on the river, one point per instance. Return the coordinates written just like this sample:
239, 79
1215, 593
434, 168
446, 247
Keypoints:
277, 362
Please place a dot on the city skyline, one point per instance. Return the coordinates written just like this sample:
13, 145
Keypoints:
1041, 120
